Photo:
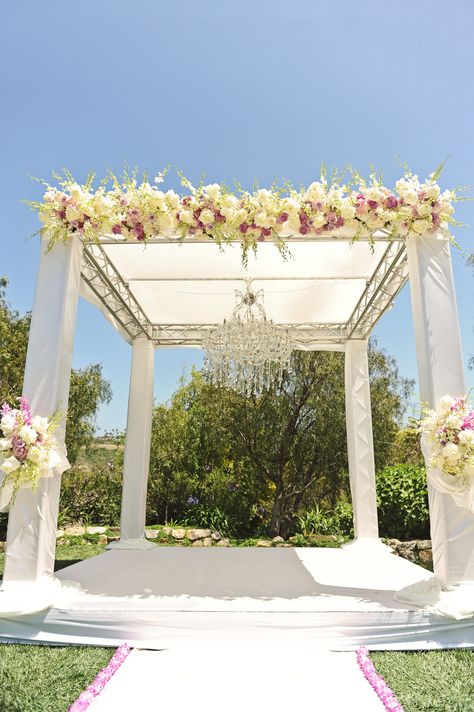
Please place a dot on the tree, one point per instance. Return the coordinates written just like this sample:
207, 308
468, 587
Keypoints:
272, 455
88, 388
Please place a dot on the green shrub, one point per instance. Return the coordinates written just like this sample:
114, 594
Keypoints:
90, 497
326, 521
402, 500
209, 517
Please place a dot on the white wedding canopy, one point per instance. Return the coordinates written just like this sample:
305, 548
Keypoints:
329, 292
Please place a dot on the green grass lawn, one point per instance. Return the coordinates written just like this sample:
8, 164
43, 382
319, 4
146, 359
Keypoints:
37, 678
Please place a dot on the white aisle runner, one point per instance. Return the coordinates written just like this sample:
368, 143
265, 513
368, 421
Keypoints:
205, 679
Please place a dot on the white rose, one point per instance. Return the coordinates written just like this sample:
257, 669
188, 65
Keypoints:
433, 191
241, 216
28, 435
206, 216
293, 223
186, 216
9, 464
72, 213
36, 454
5, 443
451, 452
424, 210
446, 208
347, 211
466, 437
264, 220
445, 404
167, 224
410, 197
40, 424
453, 421
264, 196
76, 192
212, 191
230, 202
7, 423
421, 226
319, 220
316, 192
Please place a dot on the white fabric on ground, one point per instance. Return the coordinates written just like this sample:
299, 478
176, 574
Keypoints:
169, 596
212, 679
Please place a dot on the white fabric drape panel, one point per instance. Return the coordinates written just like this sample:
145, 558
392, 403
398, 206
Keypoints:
360, 446
31, 537
441, 372
137, 443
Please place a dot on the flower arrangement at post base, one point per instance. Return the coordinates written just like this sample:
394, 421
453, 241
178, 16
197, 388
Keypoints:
448, 446
27, 449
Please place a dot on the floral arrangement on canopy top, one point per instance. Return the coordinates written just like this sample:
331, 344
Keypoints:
133, 209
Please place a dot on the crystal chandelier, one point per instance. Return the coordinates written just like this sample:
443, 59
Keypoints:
247, 352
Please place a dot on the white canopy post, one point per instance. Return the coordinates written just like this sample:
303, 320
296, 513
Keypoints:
441, 372
137, 448
31, 537
360, 446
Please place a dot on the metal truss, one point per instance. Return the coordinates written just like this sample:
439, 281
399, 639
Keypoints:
101, 276
302, 334
389, 277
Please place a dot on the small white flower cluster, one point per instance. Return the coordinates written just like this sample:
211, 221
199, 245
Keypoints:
140, 211
26, 446
450, 433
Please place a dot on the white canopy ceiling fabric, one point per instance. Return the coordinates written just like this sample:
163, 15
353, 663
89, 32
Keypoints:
195, 283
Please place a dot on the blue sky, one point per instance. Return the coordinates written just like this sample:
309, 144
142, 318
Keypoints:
239, 90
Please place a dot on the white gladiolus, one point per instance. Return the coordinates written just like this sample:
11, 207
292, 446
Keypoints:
28, 435
9, 464
454, 421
